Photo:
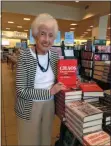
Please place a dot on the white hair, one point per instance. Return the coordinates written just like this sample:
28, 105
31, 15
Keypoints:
44, 19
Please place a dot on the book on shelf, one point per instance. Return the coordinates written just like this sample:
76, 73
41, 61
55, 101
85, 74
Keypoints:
87, 55
91, 89
98, 77
101, 63
79, 108
87, 64
103, 49
97, 139
97, 57
105, 57
67, 71
99, 73
99, 68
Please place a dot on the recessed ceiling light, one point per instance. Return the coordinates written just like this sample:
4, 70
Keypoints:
76, 1
25, 30
8, 28
109, 14
88, 29
109, 28
91, 26
72, 28
27, 19
73, 24
85, 32
19, 26
10, 22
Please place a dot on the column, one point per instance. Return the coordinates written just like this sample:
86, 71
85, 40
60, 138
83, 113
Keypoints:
100, 27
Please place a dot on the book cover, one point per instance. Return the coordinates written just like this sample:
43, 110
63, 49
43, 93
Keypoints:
105, 57
90, 87
84, 111
97, 138
97, 57
99, 63
67, 70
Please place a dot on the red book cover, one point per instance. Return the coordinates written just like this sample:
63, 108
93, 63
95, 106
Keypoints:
67, 70
90, 87
96, 139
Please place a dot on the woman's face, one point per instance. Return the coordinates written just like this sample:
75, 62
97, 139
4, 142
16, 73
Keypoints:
45, 38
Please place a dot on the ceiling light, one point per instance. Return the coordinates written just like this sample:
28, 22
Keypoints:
27, 19
25, 30
8, 28
73, 24
88, 29
19, 26
76, 1
109, 28
72, 28
10, 22
91, 26
109, 14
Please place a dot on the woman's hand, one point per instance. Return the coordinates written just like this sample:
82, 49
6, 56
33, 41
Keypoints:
57, 87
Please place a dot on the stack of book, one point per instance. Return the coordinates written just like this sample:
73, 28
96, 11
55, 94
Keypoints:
100, 138
87, 55
106, 109
102, 71
83, 118
91, 92
106, 77
64, 97
87, 64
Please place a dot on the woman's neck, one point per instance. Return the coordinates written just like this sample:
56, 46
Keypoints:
40, 52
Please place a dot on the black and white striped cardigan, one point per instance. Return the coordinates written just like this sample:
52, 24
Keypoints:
25, 77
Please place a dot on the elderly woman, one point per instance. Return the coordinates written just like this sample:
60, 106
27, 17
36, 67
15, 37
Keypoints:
36, 85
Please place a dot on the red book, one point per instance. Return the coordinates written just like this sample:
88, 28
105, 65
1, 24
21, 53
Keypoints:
96, 139
91, 89
67, 70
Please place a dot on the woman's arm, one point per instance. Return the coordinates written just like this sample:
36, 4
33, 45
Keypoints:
21, 83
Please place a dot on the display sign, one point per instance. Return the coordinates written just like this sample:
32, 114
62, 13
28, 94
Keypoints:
99, 42
69, 39
32, 40
57, 41
14, 34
